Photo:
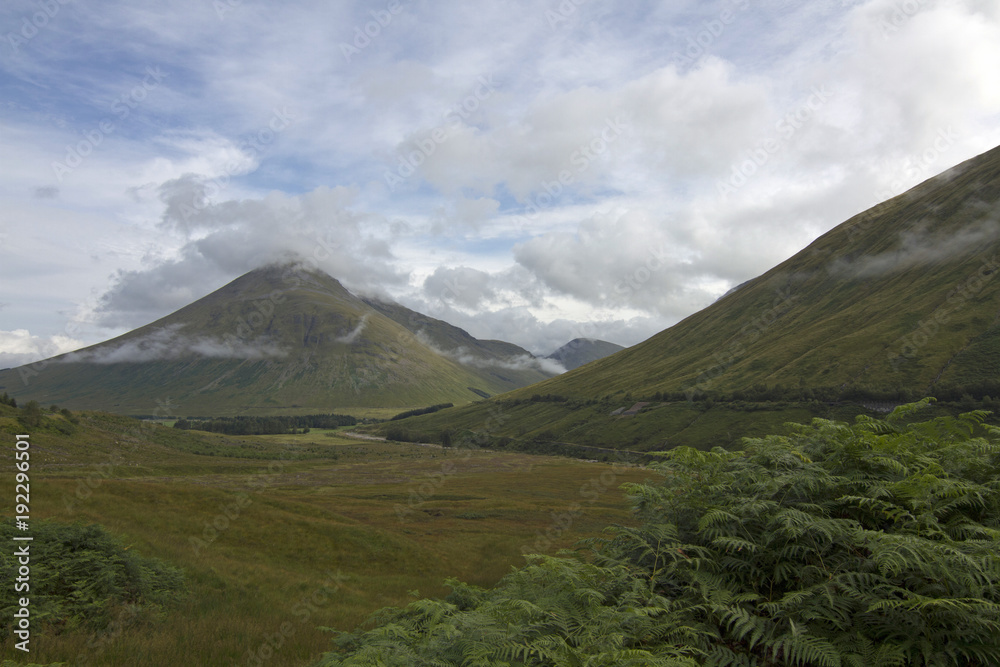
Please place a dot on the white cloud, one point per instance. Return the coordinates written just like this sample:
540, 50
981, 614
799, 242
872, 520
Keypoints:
466, 287
19, 347
177, 200
921, 249
353, 334
228, 238
519, 363
173, 343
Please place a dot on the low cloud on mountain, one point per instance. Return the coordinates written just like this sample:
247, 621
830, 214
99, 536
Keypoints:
171, 343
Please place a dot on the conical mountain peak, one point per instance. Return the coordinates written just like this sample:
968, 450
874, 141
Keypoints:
280, 338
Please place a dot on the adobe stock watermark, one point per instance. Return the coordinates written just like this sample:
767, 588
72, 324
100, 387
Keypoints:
750, 333
230, 512
431, 483
742, 171
246, 326
98, 474
919, 165
223, 7
710, 31
423, 149
631, 283
303, 610
122, 107
908, 347
119, 457
365, 34
590, 492
562, 13
902, 12
642, 274
579, 162
914, 168
34, 23
98, 643
165, 408
251, 148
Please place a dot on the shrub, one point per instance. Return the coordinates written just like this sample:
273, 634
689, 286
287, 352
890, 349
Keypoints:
81, 576
31, 415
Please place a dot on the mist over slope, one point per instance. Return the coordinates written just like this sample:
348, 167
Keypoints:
580, 351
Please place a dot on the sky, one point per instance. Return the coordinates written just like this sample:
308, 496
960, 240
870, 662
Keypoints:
531, 171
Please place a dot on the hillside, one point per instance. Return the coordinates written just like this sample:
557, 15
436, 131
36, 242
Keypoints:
278, 339
900, 296
580, 351
898, 301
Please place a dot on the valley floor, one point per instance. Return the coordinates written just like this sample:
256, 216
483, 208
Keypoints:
279, 536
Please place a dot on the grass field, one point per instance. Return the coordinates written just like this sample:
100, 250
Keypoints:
658, 426
279, 535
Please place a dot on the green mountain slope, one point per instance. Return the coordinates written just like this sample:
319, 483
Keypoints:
278, 339
901, 296
580, 351
901, 300
504, 363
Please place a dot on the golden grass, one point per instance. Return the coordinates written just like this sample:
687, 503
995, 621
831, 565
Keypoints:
308, 542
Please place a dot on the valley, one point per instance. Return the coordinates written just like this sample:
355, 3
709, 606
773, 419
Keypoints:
424, 465
279, 535
500, 334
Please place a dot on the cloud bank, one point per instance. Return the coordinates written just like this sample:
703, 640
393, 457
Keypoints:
169, 343
601, 174
522, 362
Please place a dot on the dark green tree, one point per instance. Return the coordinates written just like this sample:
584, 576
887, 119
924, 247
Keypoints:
31, 414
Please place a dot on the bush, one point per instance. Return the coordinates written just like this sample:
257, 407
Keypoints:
82, 576
31, 415
400, 435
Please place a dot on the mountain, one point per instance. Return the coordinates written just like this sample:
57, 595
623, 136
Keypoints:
278, 339
900, 301
580, 351
902, 296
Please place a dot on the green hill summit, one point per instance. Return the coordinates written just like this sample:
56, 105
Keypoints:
279, 339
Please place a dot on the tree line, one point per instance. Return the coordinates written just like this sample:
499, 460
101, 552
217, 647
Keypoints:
246, 425
421, 411
857, 392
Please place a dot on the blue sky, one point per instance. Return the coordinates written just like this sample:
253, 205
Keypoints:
530, 171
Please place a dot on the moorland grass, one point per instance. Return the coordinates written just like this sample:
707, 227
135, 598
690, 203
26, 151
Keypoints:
301, 540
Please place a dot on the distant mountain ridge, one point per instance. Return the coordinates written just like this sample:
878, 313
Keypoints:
580, 351
279, 339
